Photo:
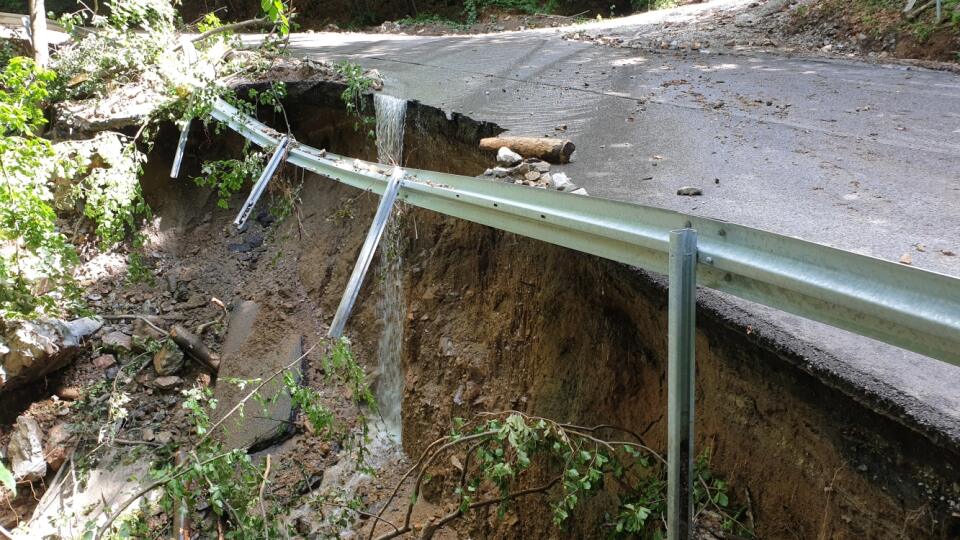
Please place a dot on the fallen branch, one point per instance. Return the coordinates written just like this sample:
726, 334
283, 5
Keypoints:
253, 392
130, 317
263, 488
130, 500
362, 513
923, 7
574, 437
193, 346
223, 314
250, 23
431, 529
406, 475
163, 481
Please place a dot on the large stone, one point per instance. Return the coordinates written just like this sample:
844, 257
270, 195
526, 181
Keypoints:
507, 157
540, 166
143, 331
59, 446
104, 361
248, 355
168, 382
169, 359
30, 350
559, 181
267, 423
25, 450
117, 341
87, 496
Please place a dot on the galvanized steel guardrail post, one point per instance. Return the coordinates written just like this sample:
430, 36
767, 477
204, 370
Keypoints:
681, 369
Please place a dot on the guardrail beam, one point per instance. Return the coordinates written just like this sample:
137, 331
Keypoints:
904, 306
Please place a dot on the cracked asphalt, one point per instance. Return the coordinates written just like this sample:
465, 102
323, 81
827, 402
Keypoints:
852, 155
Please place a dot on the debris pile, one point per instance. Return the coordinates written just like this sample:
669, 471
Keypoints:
513, 168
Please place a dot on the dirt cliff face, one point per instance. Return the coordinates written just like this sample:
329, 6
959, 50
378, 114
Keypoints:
500, 322
495, 321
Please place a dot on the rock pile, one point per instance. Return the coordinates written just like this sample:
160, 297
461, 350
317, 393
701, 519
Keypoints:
513, 168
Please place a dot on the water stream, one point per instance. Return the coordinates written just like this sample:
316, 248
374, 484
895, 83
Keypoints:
383, 450
390, 307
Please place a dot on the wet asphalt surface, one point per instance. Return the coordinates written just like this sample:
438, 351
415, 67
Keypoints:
857, 156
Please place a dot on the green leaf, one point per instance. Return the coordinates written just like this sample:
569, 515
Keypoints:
6, 479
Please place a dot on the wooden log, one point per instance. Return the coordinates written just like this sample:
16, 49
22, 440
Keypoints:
193, 346
545, 148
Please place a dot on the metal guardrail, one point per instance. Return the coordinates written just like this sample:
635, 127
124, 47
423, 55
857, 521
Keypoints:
904, 306
907, 307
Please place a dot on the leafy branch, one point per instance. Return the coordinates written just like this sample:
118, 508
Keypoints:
499, 455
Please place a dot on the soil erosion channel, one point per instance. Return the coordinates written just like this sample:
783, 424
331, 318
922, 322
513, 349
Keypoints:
461, 318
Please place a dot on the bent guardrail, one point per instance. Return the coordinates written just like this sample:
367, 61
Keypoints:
908, 307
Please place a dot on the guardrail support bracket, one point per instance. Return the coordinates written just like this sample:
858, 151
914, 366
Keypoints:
366, 253
181, 147
261, 184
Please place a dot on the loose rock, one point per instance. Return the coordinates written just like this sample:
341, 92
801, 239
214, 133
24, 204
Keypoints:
690, 191
31, 349
507, 157
117, 341
168, 360
58, 448
559, 181
104, 361
68, 393
25, 450
167, 382
375, 78
541, 166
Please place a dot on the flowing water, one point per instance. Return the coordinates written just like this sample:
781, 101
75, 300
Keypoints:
383, 450
390, 308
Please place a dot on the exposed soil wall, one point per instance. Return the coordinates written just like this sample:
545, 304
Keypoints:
496, 321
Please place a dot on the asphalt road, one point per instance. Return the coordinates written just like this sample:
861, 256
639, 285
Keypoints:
857, 156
